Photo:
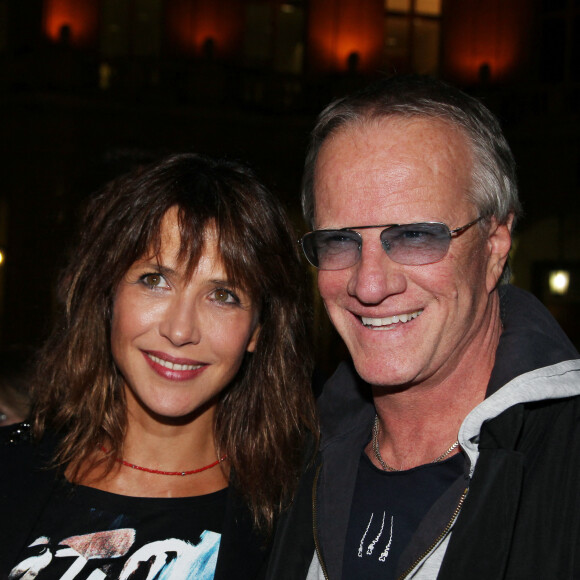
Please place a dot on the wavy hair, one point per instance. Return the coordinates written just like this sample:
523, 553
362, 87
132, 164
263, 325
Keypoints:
264, 416
494, 190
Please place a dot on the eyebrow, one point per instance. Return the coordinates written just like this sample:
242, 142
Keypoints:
155, 265
220, 282
167, 271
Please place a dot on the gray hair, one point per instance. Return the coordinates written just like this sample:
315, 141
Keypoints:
494, 189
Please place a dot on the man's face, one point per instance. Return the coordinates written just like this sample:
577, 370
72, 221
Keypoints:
398, 171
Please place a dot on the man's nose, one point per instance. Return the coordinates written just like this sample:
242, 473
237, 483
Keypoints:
375, 276
181, 322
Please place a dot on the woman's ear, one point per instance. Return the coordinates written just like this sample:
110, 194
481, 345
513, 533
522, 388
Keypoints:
253, 339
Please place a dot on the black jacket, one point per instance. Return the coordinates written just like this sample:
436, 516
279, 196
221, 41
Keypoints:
521, 515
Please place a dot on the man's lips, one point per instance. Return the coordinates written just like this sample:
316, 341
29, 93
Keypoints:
172, 368
389, 321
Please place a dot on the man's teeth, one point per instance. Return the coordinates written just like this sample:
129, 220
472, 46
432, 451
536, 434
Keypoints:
173, 366
390, 319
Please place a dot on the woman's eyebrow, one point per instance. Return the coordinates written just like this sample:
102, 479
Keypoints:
158, 267
221, 282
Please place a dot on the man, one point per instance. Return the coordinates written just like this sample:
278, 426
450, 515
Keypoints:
452, 448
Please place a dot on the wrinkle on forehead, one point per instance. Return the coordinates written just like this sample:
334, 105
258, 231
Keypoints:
381, 157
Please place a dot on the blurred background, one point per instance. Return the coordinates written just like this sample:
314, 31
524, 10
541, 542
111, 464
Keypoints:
91, 88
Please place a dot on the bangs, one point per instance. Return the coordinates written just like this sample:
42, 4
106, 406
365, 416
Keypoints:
235, 245
208, 196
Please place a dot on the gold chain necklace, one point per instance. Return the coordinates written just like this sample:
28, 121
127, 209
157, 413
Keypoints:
387, 467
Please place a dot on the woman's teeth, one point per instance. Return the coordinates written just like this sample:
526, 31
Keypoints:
173, 366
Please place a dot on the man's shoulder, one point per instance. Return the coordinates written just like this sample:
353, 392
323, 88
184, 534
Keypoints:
531, 338
345, 402
525, 316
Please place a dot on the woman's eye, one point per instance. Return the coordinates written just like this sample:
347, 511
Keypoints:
154, 281
225, 296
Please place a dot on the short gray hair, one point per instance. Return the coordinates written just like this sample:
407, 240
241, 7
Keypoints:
494, 189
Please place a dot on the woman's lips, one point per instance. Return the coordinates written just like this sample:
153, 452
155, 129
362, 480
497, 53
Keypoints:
173, 369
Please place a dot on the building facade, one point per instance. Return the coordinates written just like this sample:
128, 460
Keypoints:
83, 79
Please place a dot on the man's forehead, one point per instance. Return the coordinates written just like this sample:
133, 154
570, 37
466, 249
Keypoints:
391, 134
392, 162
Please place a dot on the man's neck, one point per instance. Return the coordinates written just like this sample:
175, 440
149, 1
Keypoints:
418, 422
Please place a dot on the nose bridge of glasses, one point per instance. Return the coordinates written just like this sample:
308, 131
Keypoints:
372, 245
382, 237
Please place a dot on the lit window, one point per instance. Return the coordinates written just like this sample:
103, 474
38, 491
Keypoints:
131, 28
412, 36
274, 34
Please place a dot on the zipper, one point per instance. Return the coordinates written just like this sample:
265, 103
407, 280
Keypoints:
315, 522
439, 538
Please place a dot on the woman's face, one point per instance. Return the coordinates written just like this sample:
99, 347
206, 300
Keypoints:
179, 341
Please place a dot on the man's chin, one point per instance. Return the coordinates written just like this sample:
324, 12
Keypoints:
384, 375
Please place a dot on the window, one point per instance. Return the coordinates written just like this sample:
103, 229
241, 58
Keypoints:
131, 28
274, 35
4, 13
412, 36
560, 41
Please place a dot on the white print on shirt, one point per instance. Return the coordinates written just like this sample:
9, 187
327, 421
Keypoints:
372, 544
164, 559
362, 540
385, 553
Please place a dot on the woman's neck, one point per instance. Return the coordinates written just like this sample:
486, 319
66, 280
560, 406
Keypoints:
152, 446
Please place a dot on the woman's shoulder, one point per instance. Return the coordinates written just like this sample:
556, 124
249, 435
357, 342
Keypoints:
24, 464
18, 434
19, 452
25, 486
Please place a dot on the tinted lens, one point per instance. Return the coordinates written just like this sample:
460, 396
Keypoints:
332, 249
416, 244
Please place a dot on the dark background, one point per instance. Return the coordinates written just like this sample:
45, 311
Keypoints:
89, 88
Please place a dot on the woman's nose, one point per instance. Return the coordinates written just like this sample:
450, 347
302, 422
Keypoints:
181, 324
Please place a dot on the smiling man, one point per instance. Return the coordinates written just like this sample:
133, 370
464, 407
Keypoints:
451, 445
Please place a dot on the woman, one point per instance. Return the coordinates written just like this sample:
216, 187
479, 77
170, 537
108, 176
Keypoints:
172, 401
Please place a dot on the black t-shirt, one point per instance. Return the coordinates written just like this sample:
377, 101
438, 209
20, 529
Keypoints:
87, 534
386, 510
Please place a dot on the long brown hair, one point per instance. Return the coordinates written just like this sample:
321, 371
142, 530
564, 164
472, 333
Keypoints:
263, 417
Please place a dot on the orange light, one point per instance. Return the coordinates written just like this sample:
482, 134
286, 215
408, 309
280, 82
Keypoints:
194, 28
485, 42
71, 21
339, 29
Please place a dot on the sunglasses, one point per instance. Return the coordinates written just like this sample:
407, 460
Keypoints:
408, 244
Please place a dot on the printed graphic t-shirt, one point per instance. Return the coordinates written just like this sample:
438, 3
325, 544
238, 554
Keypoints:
386, 510
85, 533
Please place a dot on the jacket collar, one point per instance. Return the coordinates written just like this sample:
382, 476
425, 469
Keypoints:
531, 338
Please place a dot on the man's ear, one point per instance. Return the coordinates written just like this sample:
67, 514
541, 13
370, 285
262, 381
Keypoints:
499, 242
